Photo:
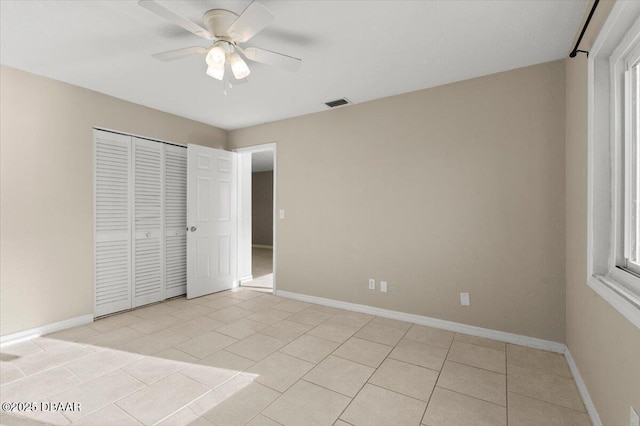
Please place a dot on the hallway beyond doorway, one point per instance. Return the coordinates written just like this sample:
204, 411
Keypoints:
262, 268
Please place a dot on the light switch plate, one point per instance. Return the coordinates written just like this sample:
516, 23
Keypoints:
372, 284
464, 299
281, 213
383, 286
634, 418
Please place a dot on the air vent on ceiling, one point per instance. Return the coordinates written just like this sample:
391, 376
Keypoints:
337, 103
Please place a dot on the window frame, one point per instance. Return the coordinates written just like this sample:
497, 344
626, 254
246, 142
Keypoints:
608, 184
631, 167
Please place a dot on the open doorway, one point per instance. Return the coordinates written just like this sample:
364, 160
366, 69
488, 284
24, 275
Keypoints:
256, 243
262, 219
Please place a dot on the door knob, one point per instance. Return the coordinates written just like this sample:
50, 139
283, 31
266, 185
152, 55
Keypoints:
193, 229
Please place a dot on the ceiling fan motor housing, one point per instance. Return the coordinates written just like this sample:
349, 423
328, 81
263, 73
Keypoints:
217, 21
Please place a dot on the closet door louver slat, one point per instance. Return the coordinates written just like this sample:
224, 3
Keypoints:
112, 223
148, 257
175, 209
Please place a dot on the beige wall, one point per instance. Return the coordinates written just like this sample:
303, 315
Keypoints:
605, 345
46, 165
262, 208
450, 189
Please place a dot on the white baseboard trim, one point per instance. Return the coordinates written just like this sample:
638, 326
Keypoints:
582, 388
262, 246
21, 336
246, 279
516, 339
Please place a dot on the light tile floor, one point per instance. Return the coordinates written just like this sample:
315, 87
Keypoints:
247, 357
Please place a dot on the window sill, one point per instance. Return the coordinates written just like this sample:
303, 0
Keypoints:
614, 288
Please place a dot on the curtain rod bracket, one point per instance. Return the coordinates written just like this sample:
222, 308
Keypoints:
575, 53
575, 50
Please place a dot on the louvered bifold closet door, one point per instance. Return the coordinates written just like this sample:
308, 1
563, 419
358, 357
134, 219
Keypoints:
112, 266
175, 219
148, 257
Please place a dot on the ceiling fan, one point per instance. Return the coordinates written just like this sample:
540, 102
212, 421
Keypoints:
226, 30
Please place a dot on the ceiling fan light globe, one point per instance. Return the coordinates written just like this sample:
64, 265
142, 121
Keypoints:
239, 67
215, 72
216, 56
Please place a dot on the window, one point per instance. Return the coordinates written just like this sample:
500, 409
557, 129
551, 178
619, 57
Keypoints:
613, 262
632, 163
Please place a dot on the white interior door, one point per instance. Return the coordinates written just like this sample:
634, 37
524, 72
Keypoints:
212, 218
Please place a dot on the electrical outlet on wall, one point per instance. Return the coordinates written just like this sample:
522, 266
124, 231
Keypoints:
383, 286
372, 284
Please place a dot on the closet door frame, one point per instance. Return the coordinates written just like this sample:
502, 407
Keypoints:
131, 208
175, 232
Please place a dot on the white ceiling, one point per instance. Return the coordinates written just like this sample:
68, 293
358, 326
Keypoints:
261, 161
361, 50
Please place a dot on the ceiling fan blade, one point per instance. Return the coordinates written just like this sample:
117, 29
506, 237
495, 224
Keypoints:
165, 13
250, 22
172, 55
279, 60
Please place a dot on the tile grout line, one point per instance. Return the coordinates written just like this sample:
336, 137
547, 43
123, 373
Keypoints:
353, 399
355, 362
372, 374
437, 379
470, 396
20, 370
475, 366
179, 409
315, 365
63, 364
542, 372
193, 400
416, 365
318, 363
358, 362
551, 403
112, 402
398, 392
75, 375
302, 359
475, 397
